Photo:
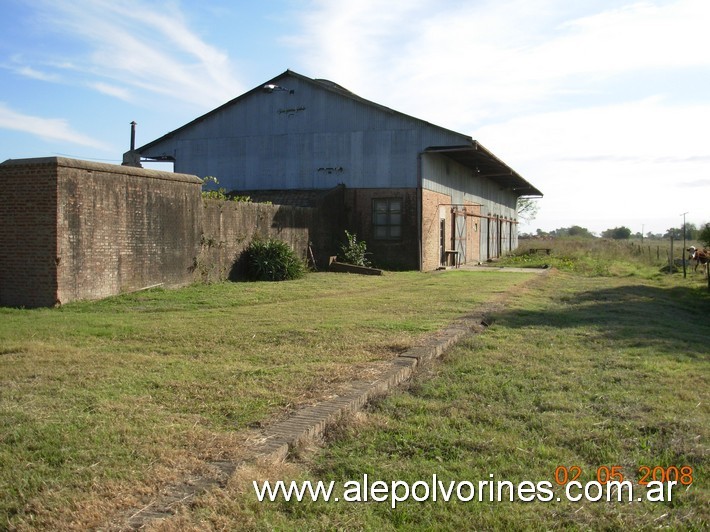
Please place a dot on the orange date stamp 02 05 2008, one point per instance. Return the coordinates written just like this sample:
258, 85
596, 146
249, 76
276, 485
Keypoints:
682, 475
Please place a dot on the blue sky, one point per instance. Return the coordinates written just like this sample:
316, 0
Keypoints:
603, 105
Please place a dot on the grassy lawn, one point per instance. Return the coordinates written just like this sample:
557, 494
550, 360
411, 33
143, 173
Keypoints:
103, 402
585, 371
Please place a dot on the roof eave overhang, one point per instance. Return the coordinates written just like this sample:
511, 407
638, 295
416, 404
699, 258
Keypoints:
485, 164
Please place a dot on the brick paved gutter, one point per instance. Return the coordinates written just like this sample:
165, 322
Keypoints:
276, 441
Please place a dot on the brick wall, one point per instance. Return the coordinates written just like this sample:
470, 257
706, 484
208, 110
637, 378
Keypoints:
434, 206
437, 206
391, 254
473, 233
120, 229
229, 227
28, 234
74, 230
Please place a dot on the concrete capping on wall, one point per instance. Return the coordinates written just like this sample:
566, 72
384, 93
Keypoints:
65, 162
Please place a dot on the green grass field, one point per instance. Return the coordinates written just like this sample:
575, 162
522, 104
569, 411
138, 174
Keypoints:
590, 372
647, 259
101, 402
606, 363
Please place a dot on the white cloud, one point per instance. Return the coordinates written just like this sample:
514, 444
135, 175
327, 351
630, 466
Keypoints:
52, 129
548, 85
460, 64
633, 161
696, 183
112, 90
637, 36
17, 64
32, 73
143, 45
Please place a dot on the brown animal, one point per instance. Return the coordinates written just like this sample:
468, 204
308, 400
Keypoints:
700, 256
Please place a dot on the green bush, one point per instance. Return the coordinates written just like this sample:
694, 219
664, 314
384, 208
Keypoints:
272, 260
221, 193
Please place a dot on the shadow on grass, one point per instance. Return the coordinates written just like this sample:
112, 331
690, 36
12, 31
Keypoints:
672, 319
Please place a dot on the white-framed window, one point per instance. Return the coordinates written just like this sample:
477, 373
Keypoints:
387, 218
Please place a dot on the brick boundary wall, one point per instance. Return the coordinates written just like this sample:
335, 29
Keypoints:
120, 229
72, 230
28, 234
229, 227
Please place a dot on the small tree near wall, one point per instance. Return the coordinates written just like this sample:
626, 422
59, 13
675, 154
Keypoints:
354, 251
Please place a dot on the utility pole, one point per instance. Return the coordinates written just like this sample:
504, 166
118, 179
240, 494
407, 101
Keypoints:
684, 251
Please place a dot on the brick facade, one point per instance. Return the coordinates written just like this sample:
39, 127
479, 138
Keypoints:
401, 253
436, 207
432, 212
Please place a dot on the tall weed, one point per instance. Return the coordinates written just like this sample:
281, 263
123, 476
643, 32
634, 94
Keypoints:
596, 257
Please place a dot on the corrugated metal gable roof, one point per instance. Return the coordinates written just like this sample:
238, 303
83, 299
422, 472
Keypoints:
321, 84
469, 153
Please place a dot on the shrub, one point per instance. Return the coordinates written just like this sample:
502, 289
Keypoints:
221, 193
354, 252
272, 260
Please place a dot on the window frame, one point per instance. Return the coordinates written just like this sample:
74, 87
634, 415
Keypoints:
392, 221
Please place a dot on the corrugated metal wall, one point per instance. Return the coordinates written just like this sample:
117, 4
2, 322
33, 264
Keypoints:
313, 138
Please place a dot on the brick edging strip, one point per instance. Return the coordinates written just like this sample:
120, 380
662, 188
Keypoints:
278, 439
311, 422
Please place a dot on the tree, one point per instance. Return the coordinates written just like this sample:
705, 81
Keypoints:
691, 231
704, 235
527, 209
676, 233
576, 230
618, 233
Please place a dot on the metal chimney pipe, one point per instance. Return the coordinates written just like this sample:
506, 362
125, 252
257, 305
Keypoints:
133, 136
